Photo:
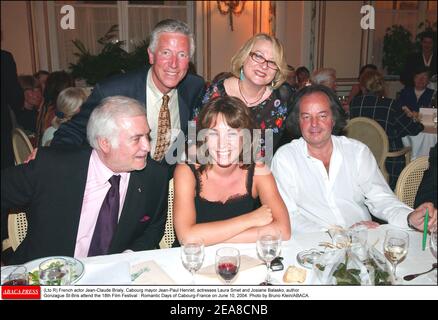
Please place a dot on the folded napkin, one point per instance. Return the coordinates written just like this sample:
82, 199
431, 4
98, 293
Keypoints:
106, 273
246, 262
149, 272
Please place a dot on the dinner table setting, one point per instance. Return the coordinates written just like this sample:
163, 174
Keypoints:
331, 257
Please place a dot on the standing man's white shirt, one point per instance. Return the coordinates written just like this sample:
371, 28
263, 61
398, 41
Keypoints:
316, 200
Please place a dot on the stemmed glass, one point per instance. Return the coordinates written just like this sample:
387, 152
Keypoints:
192, 256
433, 242
395, 248
14, 276
227, 263
433, 245
268, 248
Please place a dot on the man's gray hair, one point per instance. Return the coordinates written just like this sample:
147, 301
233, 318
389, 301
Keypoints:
171, 25
323, 76
103, 121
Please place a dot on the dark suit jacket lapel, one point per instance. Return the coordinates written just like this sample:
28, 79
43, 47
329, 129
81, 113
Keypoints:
77, 184
137, 196
140, 87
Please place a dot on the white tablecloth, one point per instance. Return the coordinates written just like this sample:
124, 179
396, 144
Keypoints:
169, 261
420, 144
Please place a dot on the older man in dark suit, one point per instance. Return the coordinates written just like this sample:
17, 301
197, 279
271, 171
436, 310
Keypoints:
86, 202
165, 82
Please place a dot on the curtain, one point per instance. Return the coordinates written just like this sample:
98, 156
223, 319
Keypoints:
92, 21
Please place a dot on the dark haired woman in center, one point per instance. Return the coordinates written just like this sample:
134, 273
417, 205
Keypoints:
225, 196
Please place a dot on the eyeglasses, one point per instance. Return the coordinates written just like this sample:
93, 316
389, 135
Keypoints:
261, 60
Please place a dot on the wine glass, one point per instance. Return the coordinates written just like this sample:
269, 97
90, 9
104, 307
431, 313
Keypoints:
15, 276
227, 263
433, 242
395, 248
433, 245
268, 248
192, 256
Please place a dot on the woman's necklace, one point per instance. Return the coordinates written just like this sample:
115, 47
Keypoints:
244, 99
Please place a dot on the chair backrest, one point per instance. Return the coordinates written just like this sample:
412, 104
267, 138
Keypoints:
17, 230
21, 145
169, 233
371, 133
410, 179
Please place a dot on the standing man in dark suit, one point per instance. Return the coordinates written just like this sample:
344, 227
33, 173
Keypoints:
68, 190
12, 98
170, 49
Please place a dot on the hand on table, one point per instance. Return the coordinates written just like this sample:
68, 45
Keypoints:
368, 224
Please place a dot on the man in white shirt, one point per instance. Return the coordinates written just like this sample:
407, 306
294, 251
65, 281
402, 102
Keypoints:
326, 179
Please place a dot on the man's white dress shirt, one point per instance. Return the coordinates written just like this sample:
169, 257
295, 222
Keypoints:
353, 188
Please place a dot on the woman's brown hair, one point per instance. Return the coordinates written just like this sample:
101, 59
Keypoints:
236, 115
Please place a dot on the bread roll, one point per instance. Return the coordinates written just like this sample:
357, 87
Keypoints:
294, 274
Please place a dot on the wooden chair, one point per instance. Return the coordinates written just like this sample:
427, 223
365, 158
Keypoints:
17, 230
410, 179
169, 233
371, 133
21, 145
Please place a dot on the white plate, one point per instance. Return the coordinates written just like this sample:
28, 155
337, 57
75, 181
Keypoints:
78, 270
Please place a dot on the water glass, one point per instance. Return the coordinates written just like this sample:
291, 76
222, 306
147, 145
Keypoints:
433, 245
433, 242
227, 263
192, 255
55, 272
358, 235
268, 248
15, 276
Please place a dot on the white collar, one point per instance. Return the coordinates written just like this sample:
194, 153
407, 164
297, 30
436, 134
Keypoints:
156, 94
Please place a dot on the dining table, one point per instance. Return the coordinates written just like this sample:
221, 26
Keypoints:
422, 142
164, 266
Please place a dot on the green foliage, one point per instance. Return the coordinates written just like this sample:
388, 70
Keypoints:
139, 56
397, 46
112, 59
346, 276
